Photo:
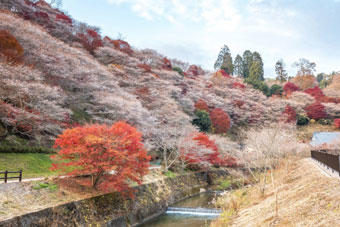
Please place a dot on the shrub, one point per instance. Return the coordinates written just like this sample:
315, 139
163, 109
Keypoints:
90, 40
202, 105
64, 18
179, 70
259, 85
276, 90
10, 48
302, 120
316, 92
202, 120
98, 149
194, 70
24, 149
290, 113
337, 123
316, 111
325, 121
220, 121
121, 45
289, 88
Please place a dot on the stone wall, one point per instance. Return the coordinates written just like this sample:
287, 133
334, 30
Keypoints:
150, 200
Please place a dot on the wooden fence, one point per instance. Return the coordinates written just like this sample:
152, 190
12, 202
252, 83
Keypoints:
6, 177
329, 160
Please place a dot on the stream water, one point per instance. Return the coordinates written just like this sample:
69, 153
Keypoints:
196, 211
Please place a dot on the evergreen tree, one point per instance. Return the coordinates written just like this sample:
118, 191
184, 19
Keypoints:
256, 72
280, 71
257, 58
247, 62
238, 66
202, 120
224, 60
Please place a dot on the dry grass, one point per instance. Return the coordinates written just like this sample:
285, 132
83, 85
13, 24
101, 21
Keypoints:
305, 197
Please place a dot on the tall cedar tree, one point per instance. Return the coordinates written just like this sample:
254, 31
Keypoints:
258, 59
238, 66
247, 62
224, 60
113, 156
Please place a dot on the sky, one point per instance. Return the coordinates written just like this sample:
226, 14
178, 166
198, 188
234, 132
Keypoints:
195, 30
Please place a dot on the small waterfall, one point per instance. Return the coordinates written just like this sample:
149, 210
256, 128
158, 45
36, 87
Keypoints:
193, 211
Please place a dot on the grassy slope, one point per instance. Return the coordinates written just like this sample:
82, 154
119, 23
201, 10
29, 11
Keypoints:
33, 165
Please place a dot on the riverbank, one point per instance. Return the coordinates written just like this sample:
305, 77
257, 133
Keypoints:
110, 209
300, 195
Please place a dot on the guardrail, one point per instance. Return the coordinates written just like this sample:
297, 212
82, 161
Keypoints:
329, 160
6, 177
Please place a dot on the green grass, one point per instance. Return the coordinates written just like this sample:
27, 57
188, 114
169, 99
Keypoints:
41, 185
170, 174
33, 165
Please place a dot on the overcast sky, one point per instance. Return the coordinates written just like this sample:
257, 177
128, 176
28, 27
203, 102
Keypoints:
195, 30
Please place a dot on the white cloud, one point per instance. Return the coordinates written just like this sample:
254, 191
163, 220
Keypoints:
269, 27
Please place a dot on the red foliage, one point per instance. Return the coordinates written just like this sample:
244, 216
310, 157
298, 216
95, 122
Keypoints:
201, 105
91, 40
99, 150
121, 45
290, 114
204, 153
193, 70
316, 92
289, 88
146, 67
238, 85
316, 111
337, 123
224, 73
64, 18
10, 48
167, 64
220, 120
41, 15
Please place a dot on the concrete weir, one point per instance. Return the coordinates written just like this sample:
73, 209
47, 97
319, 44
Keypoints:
150, 200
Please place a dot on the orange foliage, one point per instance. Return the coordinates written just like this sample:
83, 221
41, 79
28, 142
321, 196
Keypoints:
147, 68
113, 156
304, 82
220, 120
10, 48
121, 46
201, 105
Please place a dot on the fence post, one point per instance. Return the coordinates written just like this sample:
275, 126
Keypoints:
6, 176
339, 164
20, 175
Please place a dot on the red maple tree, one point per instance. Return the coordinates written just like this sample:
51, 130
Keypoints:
337, 123
167, 64
316, 111
220, 120
112, 156
289, 88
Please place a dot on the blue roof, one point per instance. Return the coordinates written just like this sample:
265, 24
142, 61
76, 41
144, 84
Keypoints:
320, 138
